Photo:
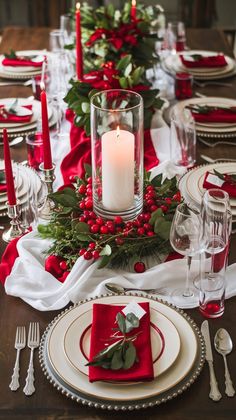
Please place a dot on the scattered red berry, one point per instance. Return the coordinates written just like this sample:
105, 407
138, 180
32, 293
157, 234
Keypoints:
150, 233
168, 200
119, 241
63, 265
82, 251
140, 231
92, 245
89, 180
177, 197
99, 221
95, 254
104, 230
82, 219
94, 228
164, 208
82, 205
88, 255
89, 204
82, 189
118, 220
139, 267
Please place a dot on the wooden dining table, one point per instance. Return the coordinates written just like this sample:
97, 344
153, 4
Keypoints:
47, 403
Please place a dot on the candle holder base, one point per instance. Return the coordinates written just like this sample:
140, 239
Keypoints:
127, 215
15, 230
46, 211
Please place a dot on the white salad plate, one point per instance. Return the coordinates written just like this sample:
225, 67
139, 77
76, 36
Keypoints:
70, 380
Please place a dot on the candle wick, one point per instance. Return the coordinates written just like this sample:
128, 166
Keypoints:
118, 133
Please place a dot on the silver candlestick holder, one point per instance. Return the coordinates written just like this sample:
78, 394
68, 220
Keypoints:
49, 177
13, 211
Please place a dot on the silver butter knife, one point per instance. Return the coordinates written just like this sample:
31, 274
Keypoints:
215, 394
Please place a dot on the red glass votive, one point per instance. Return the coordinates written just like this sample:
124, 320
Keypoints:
34, 150
183, 86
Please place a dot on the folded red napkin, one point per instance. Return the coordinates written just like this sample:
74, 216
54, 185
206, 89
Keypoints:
7, 117
103, 321
80, 153
3, 188
216, 115
212, 181
18, 62
204, 61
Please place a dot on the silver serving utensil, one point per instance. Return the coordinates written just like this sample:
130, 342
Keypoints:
26, 83
16, 141
20, 341
210, 160
33, 343
215, 394
211, 83
116, 288
223, 345
214, 144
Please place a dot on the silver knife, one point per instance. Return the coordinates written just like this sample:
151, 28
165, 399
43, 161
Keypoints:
215, 394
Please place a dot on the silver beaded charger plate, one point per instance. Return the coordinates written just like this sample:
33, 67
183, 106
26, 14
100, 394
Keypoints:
117, 396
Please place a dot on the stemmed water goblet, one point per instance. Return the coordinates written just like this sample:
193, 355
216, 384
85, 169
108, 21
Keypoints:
186, 237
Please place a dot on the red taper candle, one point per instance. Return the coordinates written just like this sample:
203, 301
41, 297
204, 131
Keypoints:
133, 10
79, 51
11, 195
47, 155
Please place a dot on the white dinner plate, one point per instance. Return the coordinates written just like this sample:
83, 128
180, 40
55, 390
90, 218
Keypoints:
165, 342
36, 112
173, 64
210, 128
191, 184
22, 72
107, 391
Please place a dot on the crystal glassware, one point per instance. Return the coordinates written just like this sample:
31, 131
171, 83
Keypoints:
183, 86
175, 38
183, 138
117, 153
34, 150
186, 237
217, 223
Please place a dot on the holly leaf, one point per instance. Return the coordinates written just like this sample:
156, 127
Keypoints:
124, 62
130, 356
104, 261
88, 169
82, 227
120, 319
106, 250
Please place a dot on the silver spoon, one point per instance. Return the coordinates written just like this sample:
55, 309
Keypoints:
223, 345
116, 288
16, 140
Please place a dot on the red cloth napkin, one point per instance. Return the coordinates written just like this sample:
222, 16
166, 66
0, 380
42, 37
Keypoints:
205, 62
8, 260
215, 116
13, 118
73, 164
3, 188
17, 62
103, 321
226, 186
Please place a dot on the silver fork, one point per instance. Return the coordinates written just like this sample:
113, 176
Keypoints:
33, 343
217, 143
204, 84
20, 341
210, 160
27, 83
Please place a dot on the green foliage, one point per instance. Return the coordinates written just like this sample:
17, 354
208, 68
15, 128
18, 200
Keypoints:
122, 353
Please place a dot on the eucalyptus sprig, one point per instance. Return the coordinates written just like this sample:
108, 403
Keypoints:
122, 353
12, 55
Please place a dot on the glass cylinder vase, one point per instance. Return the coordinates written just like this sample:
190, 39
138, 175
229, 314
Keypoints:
117, 153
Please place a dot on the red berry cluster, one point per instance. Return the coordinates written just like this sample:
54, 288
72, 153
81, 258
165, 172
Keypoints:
152, 202
117, 228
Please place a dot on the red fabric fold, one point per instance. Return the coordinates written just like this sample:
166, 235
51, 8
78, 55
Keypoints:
205, 62
103, 321
73, 164
216, 116
18, 62
8, 260
3, 188
8, 117
227, 186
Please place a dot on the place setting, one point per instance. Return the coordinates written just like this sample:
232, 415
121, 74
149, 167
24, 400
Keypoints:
115, 239
22, 64
205, 65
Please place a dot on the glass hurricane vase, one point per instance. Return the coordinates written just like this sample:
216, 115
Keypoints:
117, 153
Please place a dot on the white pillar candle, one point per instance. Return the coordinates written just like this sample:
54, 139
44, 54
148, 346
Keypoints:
117, 170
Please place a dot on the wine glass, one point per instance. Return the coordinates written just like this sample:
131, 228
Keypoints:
217, 224
186, 237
